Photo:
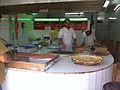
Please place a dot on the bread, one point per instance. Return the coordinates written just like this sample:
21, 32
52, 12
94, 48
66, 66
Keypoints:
86, 59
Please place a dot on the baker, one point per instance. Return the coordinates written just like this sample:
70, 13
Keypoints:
67, 36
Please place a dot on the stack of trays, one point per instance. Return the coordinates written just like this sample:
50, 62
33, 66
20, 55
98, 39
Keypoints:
101, 51
40, 62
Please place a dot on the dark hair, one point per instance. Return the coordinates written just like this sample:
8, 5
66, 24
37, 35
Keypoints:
67, 19
88, 32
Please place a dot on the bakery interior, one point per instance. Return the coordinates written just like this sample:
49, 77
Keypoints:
30, 30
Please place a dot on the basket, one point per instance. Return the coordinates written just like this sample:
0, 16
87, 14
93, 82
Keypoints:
79, 49
86, 59
100, 51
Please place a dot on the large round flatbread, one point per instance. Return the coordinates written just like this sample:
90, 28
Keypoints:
86, 59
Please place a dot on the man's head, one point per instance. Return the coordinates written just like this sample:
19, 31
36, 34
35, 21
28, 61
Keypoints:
67, 23
88, 33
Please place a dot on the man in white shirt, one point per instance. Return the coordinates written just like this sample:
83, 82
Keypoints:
89, 38
67, 36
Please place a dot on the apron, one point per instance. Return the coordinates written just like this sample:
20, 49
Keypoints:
67, 39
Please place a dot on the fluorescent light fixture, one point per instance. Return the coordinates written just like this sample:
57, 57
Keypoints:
34, 13
47, 19
112, 18
26, 19
106, 3
18, 19
62, 19
75, 19
22, 19
74, 13
100, 18
116, 7
78, 19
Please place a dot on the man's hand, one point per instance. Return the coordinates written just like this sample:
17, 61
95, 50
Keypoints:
5, 58
75, 41
62, 43
63, 46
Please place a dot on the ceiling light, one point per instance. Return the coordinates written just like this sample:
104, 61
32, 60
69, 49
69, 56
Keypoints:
112, 18
75, 19
43, 19
78, 19
61, 19
100, 18
22, 19
116, 7
34, 13
74, 13
106, 3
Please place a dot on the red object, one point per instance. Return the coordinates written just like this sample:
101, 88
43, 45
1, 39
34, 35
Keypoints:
16, 27
57, 25
80, 26
39, 25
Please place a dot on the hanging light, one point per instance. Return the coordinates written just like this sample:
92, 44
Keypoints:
106, 3
112, 18
117, 7
81, 13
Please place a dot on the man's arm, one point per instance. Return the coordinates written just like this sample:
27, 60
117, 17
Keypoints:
5, 58
62, 43
74, 38
75, 41
5, 55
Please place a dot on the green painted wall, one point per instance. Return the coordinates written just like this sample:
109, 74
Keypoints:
26, 34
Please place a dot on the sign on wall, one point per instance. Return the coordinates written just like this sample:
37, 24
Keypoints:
38, 25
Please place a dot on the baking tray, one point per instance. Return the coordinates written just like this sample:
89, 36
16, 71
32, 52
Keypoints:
39, 62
